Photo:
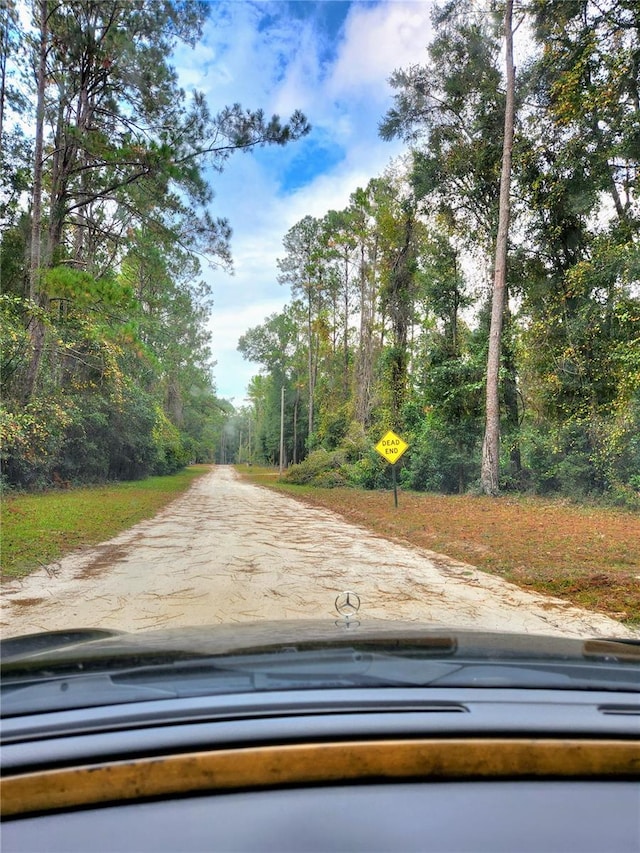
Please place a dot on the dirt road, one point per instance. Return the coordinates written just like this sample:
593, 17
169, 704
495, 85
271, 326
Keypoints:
229, 551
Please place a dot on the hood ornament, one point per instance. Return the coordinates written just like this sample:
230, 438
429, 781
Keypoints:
347, 604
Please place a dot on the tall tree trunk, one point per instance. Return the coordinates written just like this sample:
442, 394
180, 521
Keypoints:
4, 51
36, 211
36, 328
364, 371
401, 284
310, 360
491, 445
346, 379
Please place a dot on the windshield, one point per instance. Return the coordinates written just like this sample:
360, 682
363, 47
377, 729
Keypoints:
128, 670
320, 311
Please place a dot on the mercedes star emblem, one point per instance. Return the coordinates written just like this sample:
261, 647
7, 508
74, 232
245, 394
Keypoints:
348, 604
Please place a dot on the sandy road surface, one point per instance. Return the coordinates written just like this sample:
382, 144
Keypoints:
230, 551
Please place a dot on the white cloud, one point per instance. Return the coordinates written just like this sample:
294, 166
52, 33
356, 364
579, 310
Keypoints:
231, 323
256, 55
238, 60
378, 39
232, 372
299, 87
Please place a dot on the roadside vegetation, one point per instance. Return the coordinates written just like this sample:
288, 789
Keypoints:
105, 213
38, 529
106, 368
588, 555
390, 324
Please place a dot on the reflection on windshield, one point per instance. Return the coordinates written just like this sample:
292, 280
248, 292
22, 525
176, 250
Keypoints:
62, 687
77, 672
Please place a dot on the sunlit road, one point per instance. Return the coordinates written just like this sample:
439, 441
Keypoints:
230, 551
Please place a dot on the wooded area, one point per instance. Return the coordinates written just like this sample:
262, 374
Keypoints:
106, 367
105, 363
389, 323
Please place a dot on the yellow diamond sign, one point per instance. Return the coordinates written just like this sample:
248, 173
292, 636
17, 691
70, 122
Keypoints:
391, 447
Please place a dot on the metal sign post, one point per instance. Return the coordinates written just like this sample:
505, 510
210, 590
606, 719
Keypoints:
395, 485
391, 447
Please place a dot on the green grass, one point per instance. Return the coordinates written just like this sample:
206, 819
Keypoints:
39, 529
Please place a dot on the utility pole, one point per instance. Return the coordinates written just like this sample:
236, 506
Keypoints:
281, 430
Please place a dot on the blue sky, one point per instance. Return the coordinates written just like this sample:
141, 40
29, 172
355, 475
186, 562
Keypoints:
330, 59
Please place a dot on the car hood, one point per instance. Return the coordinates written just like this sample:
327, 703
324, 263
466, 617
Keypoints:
261, 637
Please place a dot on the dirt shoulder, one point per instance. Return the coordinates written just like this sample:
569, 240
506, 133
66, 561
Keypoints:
229, 551
587, 555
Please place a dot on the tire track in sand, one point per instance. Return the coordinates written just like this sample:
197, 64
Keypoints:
229, 551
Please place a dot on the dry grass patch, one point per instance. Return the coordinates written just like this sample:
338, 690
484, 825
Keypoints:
587, 555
